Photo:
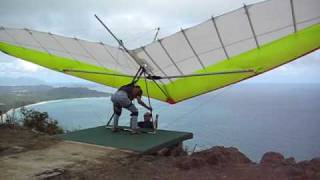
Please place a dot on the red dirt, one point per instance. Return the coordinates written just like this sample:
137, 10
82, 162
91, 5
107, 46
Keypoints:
26, 155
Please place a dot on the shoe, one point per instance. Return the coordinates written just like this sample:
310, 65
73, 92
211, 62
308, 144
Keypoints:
135, 131
115, 130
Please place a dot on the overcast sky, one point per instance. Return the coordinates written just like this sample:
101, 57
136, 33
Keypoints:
134, 21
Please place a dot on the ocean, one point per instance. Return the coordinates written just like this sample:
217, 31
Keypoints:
255, 118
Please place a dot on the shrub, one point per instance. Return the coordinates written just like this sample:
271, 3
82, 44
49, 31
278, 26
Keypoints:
40, 121
9, 119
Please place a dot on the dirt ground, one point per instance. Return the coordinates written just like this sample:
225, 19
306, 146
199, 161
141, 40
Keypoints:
28, 155
198, 166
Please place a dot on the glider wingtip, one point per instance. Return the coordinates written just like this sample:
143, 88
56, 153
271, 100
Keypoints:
171, 101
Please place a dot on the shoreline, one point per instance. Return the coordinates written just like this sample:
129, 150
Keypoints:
60, 100
4, 115
51, 101
289, 132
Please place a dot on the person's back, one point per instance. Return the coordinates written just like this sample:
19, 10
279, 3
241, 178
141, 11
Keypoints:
129, 88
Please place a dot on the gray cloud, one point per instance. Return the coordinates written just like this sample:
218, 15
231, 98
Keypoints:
303, 70
126, 18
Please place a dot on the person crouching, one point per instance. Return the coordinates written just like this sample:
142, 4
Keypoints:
123, 99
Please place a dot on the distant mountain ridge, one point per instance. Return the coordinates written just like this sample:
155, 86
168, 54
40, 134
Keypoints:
16, 96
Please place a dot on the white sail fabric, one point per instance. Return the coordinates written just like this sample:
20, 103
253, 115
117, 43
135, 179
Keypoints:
270, 20
187, 51
93, 53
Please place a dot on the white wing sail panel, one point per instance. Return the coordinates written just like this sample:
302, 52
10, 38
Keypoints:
189, 50
228, 35
93, 53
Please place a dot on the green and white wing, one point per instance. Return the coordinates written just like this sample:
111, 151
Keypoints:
250, 40
256, 37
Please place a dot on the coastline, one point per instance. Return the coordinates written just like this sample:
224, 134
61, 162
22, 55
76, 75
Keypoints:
222, 122
60, 100
9, 112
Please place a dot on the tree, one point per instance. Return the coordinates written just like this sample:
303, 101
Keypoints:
40, 121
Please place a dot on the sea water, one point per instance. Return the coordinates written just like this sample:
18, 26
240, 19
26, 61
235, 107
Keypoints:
255, 118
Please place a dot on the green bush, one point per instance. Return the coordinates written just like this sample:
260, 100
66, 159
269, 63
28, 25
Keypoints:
40, 121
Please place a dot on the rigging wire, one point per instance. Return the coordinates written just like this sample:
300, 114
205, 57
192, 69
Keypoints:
137, 36
142, 69
98, 114
114, 80
203, 103
147, 89
204, 146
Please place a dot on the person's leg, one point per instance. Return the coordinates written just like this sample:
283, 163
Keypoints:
134, 116
121, 99
116, 100
117, 112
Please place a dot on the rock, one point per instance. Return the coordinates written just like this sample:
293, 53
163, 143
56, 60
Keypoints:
272, 158
176, 150
16, 149
217, 155
290, 161
315, 164
191, 163
148, 158
3, 148
220, 155
47, 174
164, 152
295, 172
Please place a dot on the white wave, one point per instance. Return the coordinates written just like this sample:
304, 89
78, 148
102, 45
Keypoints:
64, 100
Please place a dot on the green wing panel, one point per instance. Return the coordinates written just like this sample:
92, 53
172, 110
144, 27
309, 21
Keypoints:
59, 64
267, 57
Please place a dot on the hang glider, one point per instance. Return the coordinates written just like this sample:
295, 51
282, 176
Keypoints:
216, 53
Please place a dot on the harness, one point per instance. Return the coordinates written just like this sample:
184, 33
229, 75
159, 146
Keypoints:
141, 71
